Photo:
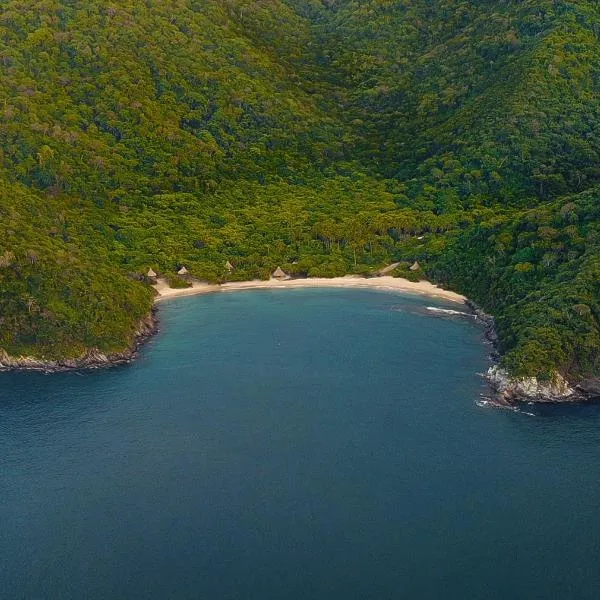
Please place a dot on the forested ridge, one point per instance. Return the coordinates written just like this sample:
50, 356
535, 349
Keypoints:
326, 137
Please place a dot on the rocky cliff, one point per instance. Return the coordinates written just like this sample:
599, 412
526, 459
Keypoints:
530, 389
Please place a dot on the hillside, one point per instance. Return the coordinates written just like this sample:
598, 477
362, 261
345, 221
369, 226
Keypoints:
328, 137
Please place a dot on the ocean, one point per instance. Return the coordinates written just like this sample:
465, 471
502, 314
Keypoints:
295, 444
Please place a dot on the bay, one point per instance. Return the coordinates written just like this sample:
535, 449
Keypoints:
294, 444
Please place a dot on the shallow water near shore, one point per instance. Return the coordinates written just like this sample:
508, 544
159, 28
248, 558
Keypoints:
295, 444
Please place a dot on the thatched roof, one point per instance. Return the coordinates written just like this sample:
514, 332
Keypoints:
229, 266
182, 271
279, 273
415, 266
151, 273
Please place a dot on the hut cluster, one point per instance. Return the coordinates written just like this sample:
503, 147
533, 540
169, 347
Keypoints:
278, 273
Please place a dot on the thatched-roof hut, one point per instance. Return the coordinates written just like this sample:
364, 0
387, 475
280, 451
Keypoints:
415, 266
279, 273
150, 273
182, 271
229, 266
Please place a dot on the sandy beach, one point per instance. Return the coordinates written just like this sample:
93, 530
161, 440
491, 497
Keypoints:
387, 283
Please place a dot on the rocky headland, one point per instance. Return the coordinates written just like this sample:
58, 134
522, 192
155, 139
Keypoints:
509, 390
92, 359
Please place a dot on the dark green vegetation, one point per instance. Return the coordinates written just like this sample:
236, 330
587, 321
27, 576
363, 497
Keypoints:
328, 137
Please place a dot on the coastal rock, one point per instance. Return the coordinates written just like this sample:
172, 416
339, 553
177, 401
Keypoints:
530, 389
489, 327
590, 387
92, 359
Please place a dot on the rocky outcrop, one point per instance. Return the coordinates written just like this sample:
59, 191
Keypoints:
509, 390
530, 389
489, 327
92, 359
590, 387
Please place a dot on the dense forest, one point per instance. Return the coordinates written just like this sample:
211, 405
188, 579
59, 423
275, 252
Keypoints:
328, 137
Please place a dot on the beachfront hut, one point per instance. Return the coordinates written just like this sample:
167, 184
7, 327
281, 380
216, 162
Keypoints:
280, 274
151, 273
229, 266
182, 271
415, 266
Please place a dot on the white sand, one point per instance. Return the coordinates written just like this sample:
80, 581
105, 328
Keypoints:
388, 283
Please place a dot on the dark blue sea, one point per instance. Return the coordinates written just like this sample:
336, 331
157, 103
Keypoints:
295, 445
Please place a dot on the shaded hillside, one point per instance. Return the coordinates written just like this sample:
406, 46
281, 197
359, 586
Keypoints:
472, 102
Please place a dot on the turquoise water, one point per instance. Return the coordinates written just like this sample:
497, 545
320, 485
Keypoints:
299, 444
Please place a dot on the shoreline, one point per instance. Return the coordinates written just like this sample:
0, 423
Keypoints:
384, 283
507, 391
95, 359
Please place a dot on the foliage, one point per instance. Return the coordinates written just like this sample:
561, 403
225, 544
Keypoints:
538, 271
178, 283
325, 137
